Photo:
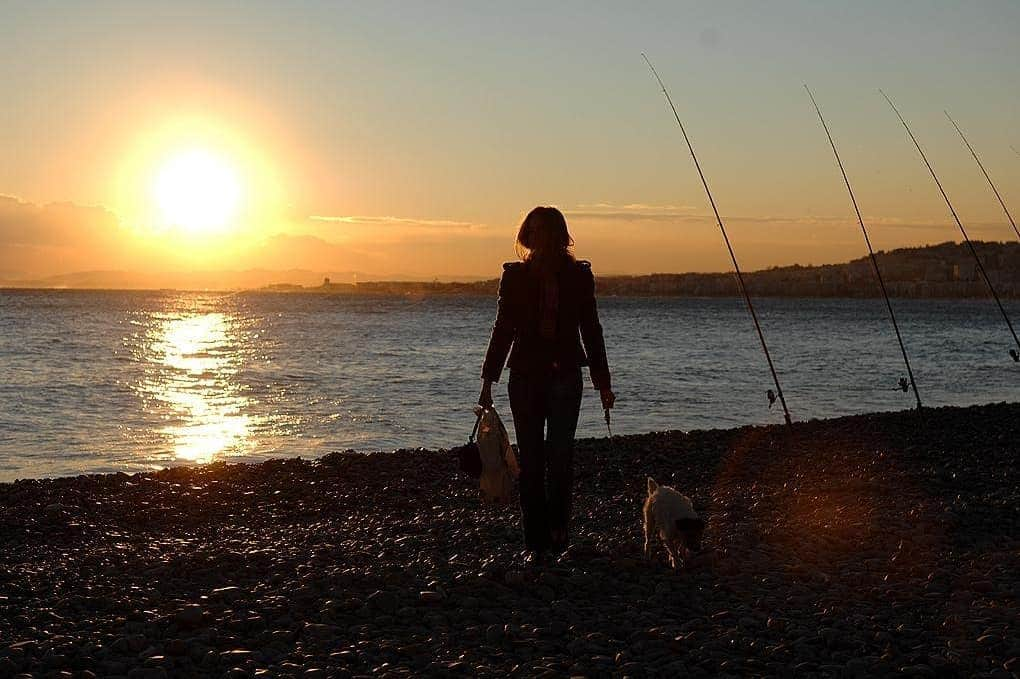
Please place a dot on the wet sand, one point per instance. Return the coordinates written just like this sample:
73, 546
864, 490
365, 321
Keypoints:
855, 547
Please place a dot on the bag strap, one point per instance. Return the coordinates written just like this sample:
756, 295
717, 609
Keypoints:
471, 438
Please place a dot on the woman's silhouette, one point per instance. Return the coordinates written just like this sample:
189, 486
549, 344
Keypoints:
546, 310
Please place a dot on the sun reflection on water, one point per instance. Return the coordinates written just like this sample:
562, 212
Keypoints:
192, 361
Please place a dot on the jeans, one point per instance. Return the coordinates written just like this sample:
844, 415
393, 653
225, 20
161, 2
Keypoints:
545, 408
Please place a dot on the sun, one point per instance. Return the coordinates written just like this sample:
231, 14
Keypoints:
197, 191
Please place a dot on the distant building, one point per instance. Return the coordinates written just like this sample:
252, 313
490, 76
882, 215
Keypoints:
964, 271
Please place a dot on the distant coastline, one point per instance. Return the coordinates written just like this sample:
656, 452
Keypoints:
945, 270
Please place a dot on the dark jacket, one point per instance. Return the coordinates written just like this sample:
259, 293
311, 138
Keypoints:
518, 320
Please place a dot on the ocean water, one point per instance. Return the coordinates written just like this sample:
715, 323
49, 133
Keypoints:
127, 381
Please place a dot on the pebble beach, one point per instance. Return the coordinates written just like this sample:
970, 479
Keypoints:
874, 545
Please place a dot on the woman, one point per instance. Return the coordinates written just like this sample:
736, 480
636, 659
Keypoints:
544, 300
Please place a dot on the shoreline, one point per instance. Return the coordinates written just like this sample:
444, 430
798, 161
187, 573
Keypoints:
241, 460
445, 291
857, 546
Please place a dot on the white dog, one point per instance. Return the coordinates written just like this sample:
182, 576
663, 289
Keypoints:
672, 515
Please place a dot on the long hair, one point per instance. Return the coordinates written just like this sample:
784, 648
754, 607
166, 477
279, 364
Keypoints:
543, 239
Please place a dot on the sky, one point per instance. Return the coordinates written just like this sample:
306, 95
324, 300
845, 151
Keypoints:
402, 138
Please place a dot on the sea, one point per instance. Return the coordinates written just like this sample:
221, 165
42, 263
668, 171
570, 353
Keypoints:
107, 381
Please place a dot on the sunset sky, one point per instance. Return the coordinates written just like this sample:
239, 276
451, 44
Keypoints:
400, 138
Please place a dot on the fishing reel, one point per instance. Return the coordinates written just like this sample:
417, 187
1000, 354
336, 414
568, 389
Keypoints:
772, 398
1015, 356
904, 384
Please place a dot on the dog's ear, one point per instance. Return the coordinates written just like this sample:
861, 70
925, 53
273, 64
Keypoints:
652, 486
690, 524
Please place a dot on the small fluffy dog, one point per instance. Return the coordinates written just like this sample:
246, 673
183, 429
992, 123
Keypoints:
672, 515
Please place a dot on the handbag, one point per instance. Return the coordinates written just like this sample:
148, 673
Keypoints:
468, 456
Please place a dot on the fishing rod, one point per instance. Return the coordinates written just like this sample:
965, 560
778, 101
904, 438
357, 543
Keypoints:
733, 256
1005, 209
981, 267
871, 251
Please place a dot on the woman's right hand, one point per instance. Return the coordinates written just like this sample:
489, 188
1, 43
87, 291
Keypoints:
485, 397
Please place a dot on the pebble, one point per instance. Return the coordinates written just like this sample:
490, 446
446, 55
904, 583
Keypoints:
189, 616
147, 673
384, 601
428, 597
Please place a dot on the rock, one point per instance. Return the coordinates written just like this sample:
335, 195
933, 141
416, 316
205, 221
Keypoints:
494, 634
429, 597
383, 601
114, 668
228, 594
989, 640
190, 616
320, 632
175, 647
514, 578
147, 673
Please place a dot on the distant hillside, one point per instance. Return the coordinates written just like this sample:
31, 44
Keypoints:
943, 270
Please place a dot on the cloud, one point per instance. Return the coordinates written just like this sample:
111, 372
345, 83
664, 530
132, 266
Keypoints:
397, 233
397, 221
24, 223
57, 237
639, 212
634, 207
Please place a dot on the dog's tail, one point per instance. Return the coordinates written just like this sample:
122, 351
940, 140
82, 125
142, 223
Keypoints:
652, 485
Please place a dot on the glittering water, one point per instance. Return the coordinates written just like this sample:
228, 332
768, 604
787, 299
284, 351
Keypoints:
106, 381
